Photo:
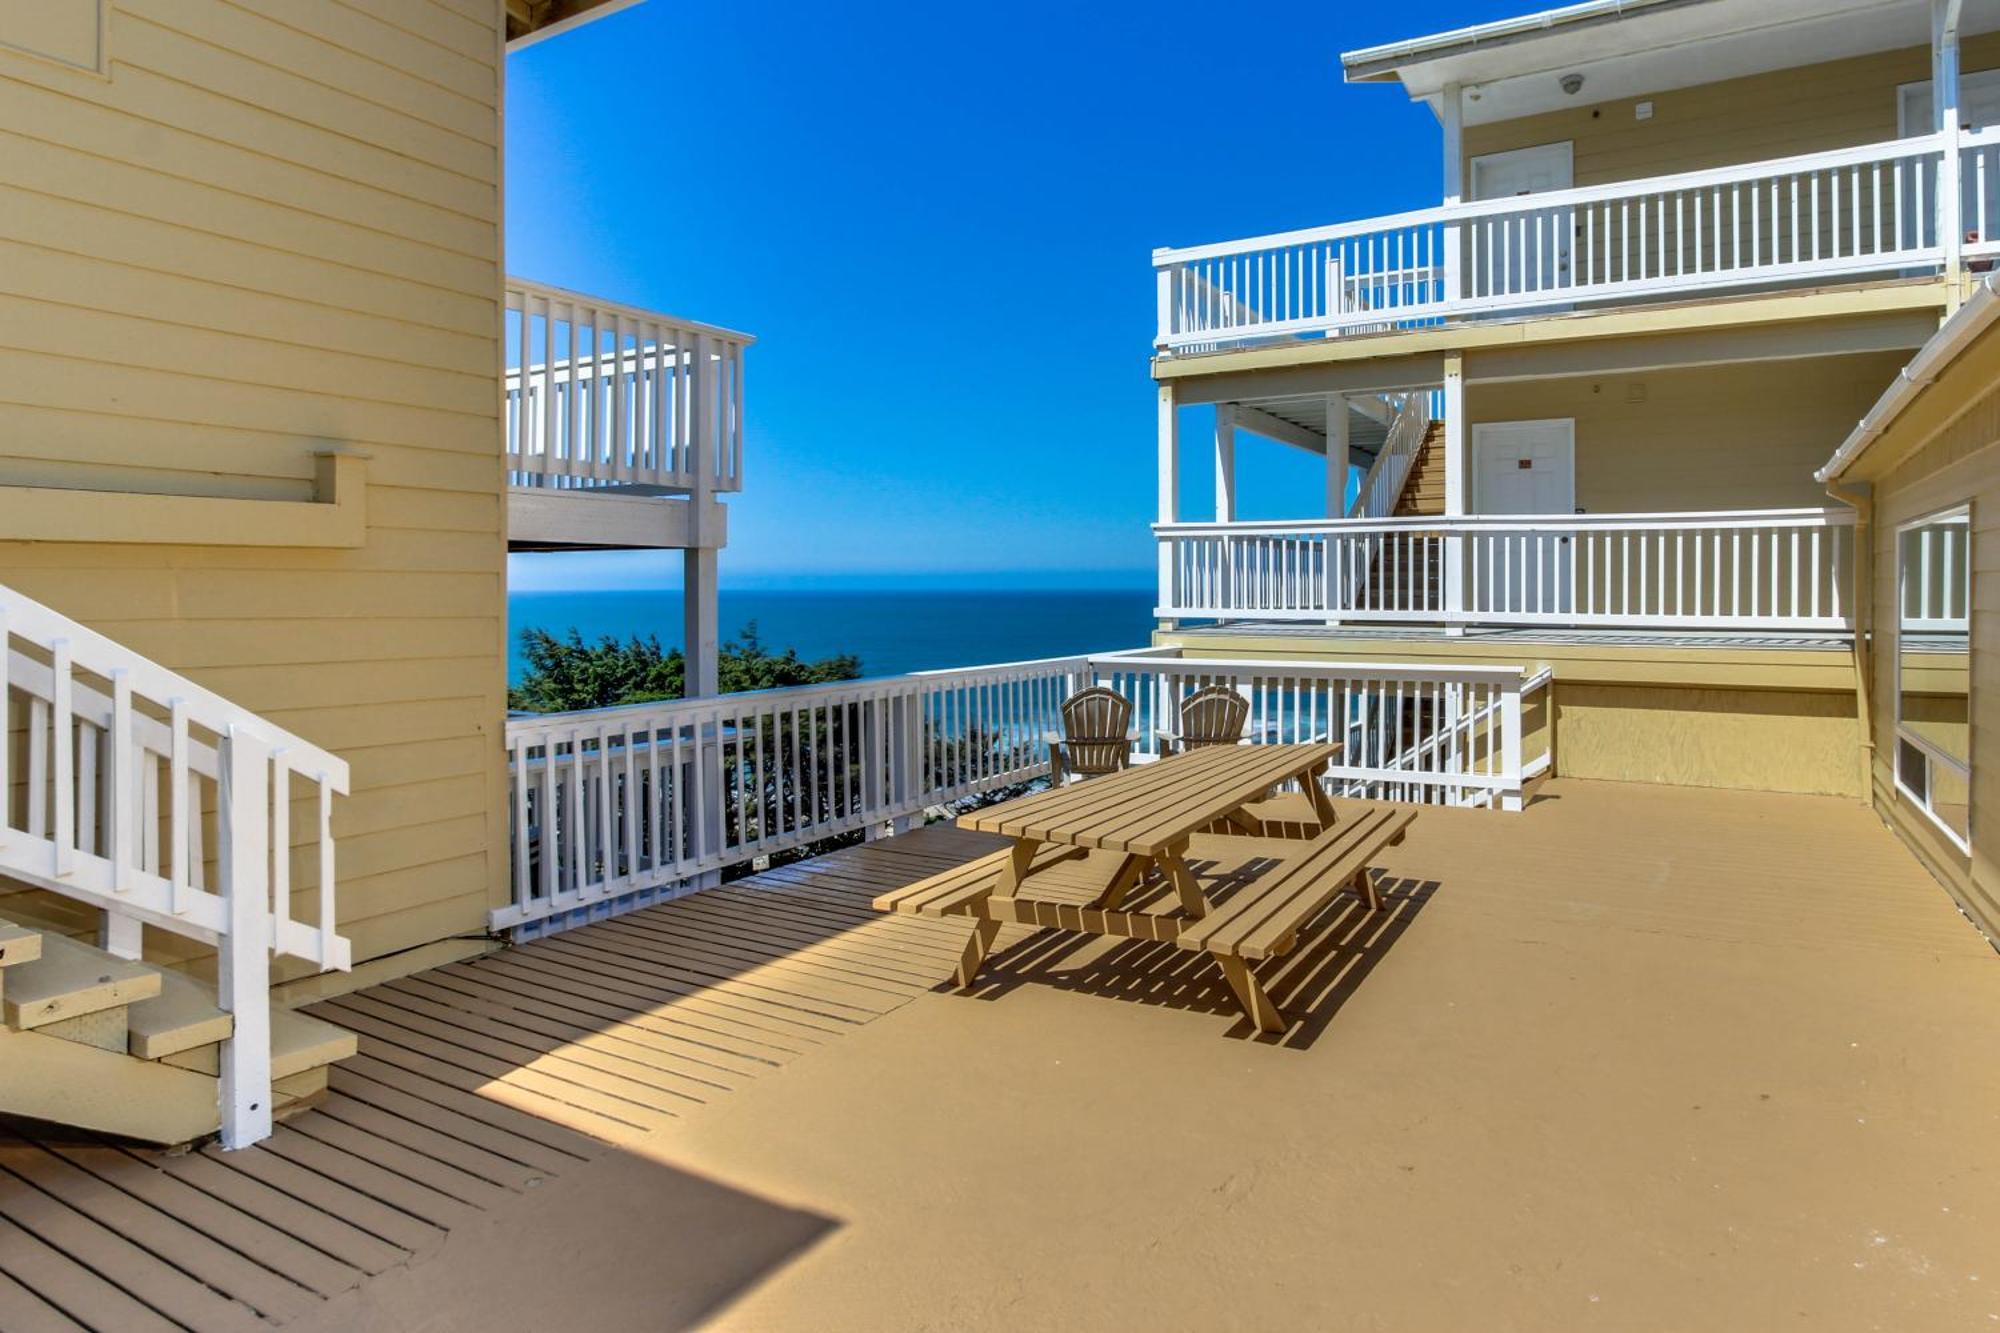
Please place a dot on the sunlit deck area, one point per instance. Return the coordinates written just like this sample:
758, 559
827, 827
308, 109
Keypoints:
1638, 1056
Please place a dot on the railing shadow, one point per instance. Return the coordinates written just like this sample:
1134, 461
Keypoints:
1335, 954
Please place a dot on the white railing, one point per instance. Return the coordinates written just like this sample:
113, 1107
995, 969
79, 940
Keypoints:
133, 790
1847, 213
617, 807
603, 395
1933, 586
1390, 472
1760, 569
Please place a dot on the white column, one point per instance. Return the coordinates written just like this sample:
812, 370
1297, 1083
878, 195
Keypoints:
1170, 494
1337, 430
1945, 120
243, 956
1225, 462
1451, 111
1338, 425
700, 640
1457, 483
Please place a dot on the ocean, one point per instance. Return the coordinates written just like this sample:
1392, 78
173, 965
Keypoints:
891, 630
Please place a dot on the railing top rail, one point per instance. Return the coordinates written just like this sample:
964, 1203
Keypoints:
1737, 518
1265, 668
99, 655
738, 701
1894, 149
518, 287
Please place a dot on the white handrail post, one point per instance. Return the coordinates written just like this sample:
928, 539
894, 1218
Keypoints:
1945, 121
243, 965
1451, 112
1457, 490
1170, 498
1163, 280
906, 760
1510, 744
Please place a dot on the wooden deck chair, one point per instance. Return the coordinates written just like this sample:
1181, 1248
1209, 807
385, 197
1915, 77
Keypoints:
1096, 737
1212, 715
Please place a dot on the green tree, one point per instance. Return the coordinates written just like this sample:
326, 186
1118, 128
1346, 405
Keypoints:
564, 673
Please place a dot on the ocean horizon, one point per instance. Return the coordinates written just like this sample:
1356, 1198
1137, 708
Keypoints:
892, 630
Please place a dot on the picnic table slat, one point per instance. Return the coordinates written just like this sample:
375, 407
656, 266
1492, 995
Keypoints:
1147, 810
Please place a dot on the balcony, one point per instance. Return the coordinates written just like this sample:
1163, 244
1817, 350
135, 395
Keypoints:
1749, 571
622, 424
1864, 213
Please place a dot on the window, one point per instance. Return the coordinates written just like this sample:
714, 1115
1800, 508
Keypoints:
1933, 755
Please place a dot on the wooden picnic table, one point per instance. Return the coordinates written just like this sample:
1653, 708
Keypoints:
1080, 850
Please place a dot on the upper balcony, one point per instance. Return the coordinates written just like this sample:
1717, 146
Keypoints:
622, 424
1601, 156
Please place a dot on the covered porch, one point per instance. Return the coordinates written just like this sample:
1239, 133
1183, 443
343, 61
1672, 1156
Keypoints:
1591, 1064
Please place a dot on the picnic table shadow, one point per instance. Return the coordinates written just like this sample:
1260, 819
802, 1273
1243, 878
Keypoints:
1335, 953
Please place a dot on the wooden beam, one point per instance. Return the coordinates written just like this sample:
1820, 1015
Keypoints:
1259, 422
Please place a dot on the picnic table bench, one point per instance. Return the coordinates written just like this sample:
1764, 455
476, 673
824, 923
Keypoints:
1116, 857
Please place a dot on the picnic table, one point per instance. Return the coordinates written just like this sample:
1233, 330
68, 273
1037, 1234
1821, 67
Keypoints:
1112, 857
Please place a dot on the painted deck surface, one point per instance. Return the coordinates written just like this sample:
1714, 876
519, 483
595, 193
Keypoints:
1594, 1065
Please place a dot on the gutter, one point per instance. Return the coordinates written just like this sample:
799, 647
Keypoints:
1980, 310
1373, 62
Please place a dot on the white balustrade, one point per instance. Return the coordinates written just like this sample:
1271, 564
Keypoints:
613, 808
1851, 212
605, 395
1760, 569
135, 791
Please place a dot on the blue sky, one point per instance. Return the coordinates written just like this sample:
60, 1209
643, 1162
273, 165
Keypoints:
937, 219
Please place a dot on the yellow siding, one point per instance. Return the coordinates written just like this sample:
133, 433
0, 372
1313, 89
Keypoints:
1811, 109
1958, 463
1744, 436
1753, 740
269, 229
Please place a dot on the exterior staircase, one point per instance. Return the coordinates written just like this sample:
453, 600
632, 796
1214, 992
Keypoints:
93, 1041
1422, 495
151, 803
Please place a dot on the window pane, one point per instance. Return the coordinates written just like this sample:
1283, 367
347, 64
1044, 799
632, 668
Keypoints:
1934, 562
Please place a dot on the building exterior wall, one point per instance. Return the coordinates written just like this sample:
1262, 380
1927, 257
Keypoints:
1742, 436
1811, 109
1946, 463
262, 230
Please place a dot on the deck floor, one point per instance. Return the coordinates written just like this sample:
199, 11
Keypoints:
1637, 1058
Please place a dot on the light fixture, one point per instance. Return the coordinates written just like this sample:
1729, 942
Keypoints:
1572, 84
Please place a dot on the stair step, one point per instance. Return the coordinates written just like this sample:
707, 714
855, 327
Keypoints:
181, 1017
70, 980
298, 1043
18, 944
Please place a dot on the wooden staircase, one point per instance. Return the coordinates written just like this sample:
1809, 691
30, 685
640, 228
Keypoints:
1423, 489
93, 1041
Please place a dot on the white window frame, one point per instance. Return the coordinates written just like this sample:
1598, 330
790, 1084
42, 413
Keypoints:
1933, 756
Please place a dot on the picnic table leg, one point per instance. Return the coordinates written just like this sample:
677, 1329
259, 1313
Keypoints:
1322, 803
1257, 1005
1019, 860
984, 929
1185, 885
1128, 874
1364, 888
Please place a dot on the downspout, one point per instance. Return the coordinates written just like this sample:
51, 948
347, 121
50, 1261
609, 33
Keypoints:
1863, 504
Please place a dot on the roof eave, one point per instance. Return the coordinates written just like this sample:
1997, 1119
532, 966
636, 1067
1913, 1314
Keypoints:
1376, 64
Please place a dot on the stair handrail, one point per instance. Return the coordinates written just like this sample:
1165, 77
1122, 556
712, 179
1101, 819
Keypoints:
127, 766
1383, 486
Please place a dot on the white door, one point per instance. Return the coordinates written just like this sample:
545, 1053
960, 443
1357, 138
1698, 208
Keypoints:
1523, 467
1527, 252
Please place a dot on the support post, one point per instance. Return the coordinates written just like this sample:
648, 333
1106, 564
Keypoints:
1338, 433
243, 964
1457, 489
1451, 111
701, 642
1170, 497
1946, 120
1225, 462
1510, 744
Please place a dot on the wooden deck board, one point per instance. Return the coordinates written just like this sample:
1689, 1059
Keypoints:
481, 1081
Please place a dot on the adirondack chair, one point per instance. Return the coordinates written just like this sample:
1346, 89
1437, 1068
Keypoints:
1212, 715
1096, 737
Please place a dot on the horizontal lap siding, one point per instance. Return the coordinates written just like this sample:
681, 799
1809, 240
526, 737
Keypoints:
1811, 109
271, 230
1959, 463
1744, 436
